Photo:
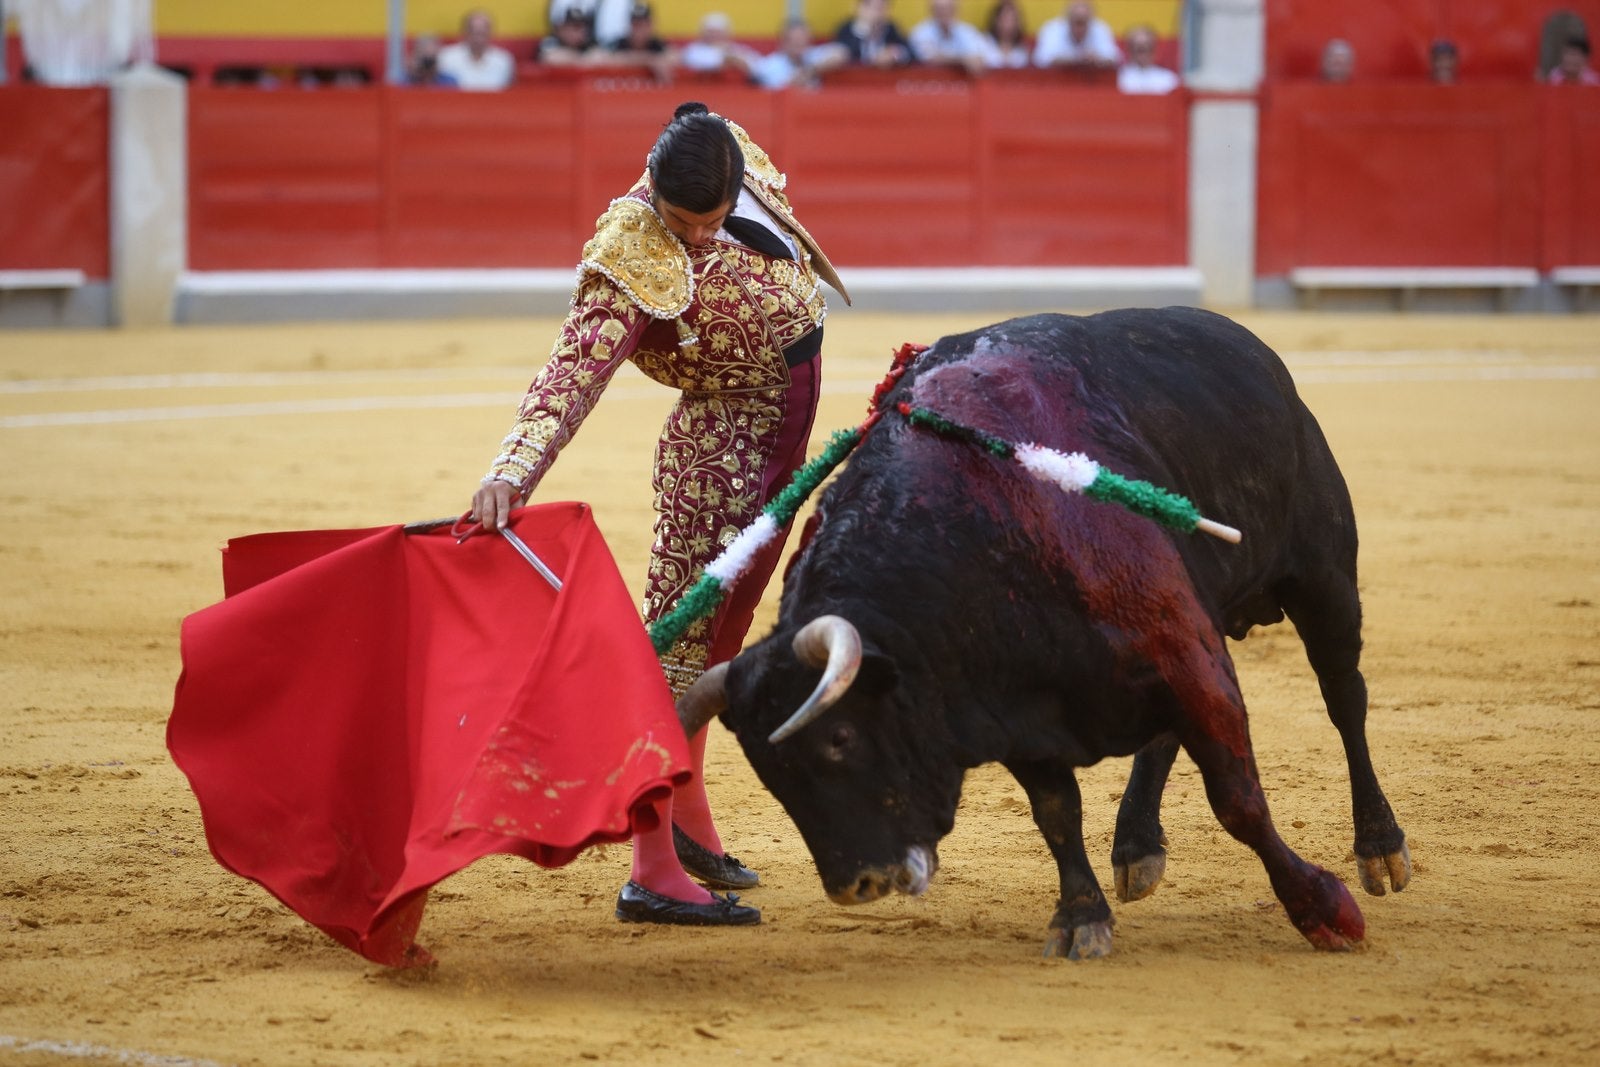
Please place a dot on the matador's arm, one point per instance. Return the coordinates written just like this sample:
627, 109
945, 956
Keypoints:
601, 331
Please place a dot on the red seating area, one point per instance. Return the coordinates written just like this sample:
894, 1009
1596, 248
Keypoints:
1498, 39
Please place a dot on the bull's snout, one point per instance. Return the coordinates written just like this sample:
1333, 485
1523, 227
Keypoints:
911, 875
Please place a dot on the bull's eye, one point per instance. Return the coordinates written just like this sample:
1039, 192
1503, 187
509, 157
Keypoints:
840, 742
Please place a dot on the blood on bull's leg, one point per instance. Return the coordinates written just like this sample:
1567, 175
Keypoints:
1318, 904
1081, 926
1139, 850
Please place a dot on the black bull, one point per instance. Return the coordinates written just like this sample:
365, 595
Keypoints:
987, 616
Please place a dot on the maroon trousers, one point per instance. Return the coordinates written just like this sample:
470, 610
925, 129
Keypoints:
731, 622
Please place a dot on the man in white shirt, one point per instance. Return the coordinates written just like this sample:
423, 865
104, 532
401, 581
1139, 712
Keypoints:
715, 49
1077, 40
475, 62
796, 61
944, 39
1140, 73
608, 19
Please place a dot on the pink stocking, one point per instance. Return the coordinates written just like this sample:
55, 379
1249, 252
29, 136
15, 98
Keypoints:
690, 808
655, 863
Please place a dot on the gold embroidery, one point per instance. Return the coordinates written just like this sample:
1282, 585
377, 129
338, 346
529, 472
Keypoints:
634, 248
712, 459
758, 166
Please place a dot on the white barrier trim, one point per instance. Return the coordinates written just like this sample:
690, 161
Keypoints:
42, 279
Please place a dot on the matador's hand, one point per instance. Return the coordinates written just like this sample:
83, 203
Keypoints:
492, 504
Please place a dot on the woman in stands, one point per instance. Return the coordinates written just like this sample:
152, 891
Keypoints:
701, 276
1008, 37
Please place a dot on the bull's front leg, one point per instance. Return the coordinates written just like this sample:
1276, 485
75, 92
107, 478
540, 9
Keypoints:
1139, 850
1081, 926
1217, 739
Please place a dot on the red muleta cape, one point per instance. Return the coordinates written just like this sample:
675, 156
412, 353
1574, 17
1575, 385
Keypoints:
369, 711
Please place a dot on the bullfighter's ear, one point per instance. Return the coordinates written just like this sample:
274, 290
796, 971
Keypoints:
877, 676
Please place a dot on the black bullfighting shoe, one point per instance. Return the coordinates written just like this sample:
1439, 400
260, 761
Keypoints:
636, 904
723, 872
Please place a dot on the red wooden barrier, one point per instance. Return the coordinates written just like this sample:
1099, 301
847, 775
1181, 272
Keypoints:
285, 179
481, 179
1083, 176
1571, 171
1401, 175
53, 179
903, 172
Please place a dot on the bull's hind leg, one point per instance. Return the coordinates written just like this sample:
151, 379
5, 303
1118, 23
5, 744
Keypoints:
1139, 850
1316, 902
1327, 613
1081, 926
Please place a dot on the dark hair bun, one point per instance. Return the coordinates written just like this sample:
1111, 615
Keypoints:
692, 107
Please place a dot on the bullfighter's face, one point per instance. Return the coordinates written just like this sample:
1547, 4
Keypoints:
691, 227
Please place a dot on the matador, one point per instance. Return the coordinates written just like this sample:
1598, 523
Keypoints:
734, 322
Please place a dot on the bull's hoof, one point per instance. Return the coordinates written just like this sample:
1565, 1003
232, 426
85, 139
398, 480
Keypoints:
1139, 879
1327, 915
1087, 942
1396, 866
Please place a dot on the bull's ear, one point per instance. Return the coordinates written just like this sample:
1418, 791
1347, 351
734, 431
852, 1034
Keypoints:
878, 675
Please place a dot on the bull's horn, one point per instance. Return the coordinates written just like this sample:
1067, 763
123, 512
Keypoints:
833, 644
704, 700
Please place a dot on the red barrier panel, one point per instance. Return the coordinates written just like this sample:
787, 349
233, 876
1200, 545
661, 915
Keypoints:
54, 166
285, 179
887, 178
1399, 175
898, 172
482, 180
1572, 176
1083, 176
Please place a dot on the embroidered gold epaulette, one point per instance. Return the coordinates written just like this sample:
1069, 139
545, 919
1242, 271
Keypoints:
758, 166
634, 248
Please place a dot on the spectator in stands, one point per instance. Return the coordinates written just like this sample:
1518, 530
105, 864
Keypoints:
1559, 27
1140, 74
1007, 37
1077, 41
1338, 62
1444, 60
475, 61
608, 19
1573, 68
643, 46
570, 42
944, 39
797, 61
871, 39
422, 68
715, 50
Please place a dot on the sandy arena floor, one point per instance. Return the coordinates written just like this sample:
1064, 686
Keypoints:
1472, 446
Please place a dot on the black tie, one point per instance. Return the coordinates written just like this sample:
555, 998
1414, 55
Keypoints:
754, 235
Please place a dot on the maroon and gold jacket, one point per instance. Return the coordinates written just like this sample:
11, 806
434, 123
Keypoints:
708, 319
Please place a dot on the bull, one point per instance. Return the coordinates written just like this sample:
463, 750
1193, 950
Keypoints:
947, 611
